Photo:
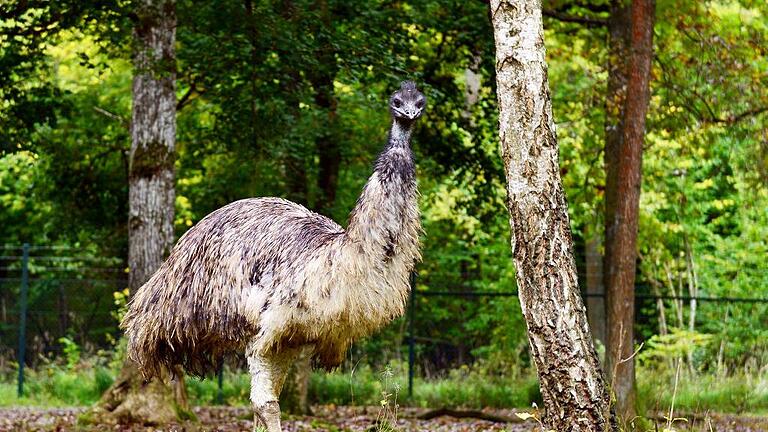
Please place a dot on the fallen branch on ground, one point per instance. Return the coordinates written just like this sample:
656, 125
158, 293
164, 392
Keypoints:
480, 415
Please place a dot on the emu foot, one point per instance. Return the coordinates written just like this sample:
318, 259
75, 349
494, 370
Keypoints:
266, 417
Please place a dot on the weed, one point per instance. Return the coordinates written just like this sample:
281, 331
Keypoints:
387, 415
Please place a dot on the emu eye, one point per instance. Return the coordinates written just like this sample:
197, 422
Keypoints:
397, 103
420, 104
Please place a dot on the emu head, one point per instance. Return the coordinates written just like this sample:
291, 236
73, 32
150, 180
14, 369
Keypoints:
407, 104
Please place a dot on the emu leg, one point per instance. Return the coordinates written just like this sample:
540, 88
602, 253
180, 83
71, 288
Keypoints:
267, 378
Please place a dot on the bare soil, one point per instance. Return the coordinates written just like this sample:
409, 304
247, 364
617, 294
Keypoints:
335, 419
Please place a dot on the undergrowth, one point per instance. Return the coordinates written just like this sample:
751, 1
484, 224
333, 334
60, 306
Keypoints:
743, 393
56, 385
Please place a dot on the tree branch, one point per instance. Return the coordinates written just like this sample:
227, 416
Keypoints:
112, 116
732, 119
585, 21
729, 120
468, 414
689, 100
185, 98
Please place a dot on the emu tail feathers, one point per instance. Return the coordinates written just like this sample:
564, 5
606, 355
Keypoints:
163, 332
154, 353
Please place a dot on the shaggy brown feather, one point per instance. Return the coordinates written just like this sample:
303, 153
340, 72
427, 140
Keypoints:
190, 311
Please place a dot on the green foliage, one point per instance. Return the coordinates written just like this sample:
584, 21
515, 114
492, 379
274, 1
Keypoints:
661, 349
25, 213
260, 87
359, 386
71, 351
121, 304
30, 98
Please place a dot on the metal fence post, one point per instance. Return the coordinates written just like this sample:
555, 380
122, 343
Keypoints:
411, 340
23, 315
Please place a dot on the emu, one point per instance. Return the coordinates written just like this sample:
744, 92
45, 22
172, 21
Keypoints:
267, 277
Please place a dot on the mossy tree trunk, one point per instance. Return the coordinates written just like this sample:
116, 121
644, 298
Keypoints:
294, 397
572, 384
151, 206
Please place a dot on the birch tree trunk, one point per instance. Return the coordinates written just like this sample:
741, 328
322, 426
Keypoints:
631, 52
151, 197
572, 385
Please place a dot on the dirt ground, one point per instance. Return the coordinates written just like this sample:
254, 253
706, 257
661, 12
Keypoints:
336, 419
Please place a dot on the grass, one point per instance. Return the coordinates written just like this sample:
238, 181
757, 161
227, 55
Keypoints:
461, 388
55, 386
699, 392
60, 386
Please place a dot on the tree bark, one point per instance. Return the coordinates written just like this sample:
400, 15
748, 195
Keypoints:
595, 287
295, 160
327, 142
151, 197
631, 51
294, 398
572, 385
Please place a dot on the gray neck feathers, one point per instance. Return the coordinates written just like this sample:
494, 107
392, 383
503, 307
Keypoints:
387, 206
399, 135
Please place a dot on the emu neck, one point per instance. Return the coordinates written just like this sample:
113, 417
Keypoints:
385, 220
400, 135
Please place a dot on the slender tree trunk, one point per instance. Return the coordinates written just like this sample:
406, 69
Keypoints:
151, 191
693, 292
595, 287
656, 288
328, 150
677, 303
327, 142
572, 385
294, 397
151, 203
693, 283
295, 159
631, 36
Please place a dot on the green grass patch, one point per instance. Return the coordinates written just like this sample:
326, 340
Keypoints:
365, 386
82, 385
55, 386
463, 387
235, 390
699, 392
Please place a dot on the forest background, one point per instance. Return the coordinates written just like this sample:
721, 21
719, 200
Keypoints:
287, 98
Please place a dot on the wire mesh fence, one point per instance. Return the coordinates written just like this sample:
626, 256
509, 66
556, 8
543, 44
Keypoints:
51, 293
48, 293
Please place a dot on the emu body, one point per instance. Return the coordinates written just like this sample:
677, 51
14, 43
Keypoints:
268, 277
